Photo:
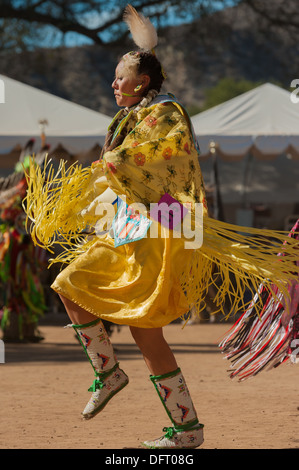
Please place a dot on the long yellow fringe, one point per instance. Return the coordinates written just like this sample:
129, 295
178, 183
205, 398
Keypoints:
232, 258
53, 205
237, 264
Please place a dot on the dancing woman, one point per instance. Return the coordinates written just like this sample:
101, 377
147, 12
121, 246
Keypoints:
150, 155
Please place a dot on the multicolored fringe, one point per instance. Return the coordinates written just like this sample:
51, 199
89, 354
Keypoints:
236, 261
265, 338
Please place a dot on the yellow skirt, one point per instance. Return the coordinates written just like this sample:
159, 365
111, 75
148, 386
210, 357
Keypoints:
133, 284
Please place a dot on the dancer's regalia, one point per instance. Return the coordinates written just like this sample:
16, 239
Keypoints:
22, 300
266, 335
150, 153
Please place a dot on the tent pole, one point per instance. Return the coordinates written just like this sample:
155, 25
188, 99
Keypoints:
218, 212
246, 178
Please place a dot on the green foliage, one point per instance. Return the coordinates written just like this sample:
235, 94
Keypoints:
226, 89
193, 109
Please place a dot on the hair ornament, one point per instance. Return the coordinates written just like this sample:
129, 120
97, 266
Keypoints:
143, 31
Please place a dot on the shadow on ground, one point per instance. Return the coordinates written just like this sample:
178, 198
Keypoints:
66, 352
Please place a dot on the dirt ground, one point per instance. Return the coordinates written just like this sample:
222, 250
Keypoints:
44, 389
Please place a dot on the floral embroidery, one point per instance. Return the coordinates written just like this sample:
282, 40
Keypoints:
147, 176
167, 153
187, 188
186, 148
178, 140
191, 166
134, 144
150, 121
123, 155
111, 167
169, 120
171, 170
136, 133
125, 181
139, 159
196, 196
156, 146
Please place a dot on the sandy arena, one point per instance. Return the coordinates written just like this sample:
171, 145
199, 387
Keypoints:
44, 389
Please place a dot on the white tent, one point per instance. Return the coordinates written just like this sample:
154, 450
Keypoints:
26, 111
263, 120
256, 140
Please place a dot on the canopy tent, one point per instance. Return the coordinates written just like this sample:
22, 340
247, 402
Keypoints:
263, 120
256, 139
26, 112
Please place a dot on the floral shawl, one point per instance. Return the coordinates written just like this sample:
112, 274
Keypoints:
159, 155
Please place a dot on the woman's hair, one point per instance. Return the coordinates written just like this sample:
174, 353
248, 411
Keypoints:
145, 37
148, 64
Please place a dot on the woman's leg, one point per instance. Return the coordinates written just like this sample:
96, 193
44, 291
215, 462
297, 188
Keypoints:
157, 354
172, 390
110, 379
77, 314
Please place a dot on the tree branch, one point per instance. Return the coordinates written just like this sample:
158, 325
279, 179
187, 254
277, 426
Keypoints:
63, 24
280, 17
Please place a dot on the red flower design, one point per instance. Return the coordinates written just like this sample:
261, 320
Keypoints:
150, 121
139, 159
167, 153
186, 148
111, 167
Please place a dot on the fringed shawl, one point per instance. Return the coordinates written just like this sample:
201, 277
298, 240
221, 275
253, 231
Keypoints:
157, 154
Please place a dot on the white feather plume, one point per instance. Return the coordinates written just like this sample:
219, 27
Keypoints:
143, 31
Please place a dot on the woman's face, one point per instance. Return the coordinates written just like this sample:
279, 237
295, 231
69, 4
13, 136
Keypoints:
124, 84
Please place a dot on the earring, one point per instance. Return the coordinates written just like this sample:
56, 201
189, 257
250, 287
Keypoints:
137, 88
